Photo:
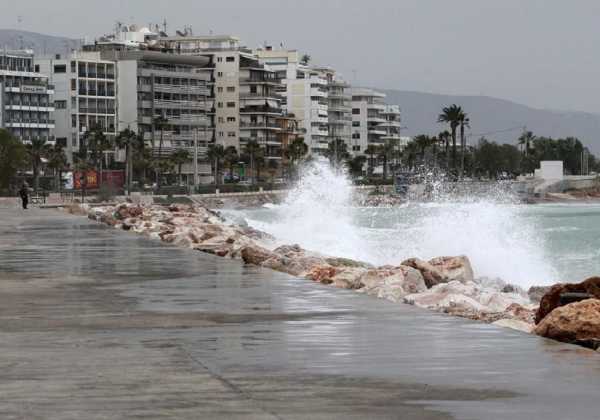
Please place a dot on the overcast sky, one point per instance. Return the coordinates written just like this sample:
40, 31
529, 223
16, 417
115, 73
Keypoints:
543, 53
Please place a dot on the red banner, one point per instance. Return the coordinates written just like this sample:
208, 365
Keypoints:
115, 179
88, 178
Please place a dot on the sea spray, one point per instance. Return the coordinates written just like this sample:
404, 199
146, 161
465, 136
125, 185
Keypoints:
491, 229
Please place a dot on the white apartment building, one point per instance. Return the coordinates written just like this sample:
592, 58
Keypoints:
84, 98
373, 121
316, 96
247, 102
26, 108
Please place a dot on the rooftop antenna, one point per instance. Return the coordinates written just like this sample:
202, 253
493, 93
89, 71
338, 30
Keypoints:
165, 25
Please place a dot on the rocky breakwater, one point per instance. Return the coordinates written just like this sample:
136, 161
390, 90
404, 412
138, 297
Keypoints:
571, 313
445, 284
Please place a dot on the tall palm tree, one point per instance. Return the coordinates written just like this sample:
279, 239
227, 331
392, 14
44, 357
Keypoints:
216, 153
525, 141
444, 138
57, 161
231, 158
371, 151
464, 122
180, 157
97, 143
160, 123
422, 142
36, 150
385, 152
130, 141
305, 59
452, 115
253, 149
295, 151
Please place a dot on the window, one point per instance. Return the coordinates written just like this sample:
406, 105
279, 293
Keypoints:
230, 119
61, 141
221, 134
356, 135
356, 148
219, 59
73, 67
73, 84
230, 59
355, 123
219, 104
220, 89
74, 124
230, 88
60, 104
356, 111
36, 68
221, 119
230, 104
231, 134
220, 74
60, 68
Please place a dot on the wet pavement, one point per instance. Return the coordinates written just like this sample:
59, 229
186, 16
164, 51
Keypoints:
102, 324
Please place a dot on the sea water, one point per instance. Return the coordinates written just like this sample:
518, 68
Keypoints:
521, 244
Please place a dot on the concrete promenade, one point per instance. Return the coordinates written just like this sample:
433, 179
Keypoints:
101, 324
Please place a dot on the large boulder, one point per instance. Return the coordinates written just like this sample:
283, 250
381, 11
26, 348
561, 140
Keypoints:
573, 323
551, 300
392, 283
442, 269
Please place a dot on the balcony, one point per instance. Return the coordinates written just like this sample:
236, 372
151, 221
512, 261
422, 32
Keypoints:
179, 104
259, 80
259, 125
261, 110
172, 88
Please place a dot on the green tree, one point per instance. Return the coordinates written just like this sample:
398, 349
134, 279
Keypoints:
337, 151
385, 153
355, 165
444, 138
96, 144
130, 141
57, 161
452, 115
216, 154
371, 151
160, 123
525, 141
36, 150
294, 152
13, 157
464, 123
253, 150
179, 157
231, 159
305, 59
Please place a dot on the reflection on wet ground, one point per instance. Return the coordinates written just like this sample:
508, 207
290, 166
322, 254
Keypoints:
286, 347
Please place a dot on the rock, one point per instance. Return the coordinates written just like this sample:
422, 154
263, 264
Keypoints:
574, 322
454, 268
322, 274
551, 300
256, 255
349, 277
392, 283
520, 312
442, 269
515, 324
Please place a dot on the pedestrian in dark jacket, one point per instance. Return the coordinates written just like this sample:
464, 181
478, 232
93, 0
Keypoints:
24, 193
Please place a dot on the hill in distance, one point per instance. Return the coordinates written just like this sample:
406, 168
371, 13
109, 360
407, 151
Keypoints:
41, 44
498, 119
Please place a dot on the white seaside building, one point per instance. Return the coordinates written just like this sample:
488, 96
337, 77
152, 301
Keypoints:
373, 121
316, 96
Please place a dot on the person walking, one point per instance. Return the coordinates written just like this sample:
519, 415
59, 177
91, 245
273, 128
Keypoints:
24, 193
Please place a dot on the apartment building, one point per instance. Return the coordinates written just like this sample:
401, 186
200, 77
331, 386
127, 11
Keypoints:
247, 102
373, 121
167, 99
26, 108
85, 96
316, 96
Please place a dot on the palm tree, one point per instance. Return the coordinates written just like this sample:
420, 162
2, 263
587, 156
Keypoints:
385, 152
231, 158
305, 59
160, 123
130, 141
216, 153
36, 150
464, 122
97, 143
253, 149
525, 141
422, 142
355, 165
57, 161
371, 151
444, 138
295, 151
337, 150
452, 115
260, 162
178, 158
